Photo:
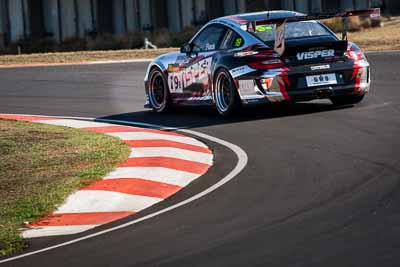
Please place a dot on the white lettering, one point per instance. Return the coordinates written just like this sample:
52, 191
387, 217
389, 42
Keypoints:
315, 54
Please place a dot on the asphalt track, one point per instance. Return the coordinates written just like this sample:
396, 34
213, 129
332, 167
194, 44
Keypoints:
321, 187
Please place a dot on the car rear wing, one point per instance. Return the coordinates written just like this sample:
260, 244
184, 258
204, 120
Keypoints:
373, 13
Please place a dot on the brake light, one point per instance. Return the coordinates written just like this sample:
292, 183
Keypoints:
354, 52
267, 64
245, 53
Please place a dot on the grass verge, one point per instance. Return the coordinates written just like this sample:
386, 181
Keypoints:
83, 56
40, 165
379, 39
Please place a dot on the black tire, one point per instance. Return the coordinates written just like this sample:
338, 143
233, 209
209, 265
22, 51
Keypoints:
159, 97
227, 100
347, 100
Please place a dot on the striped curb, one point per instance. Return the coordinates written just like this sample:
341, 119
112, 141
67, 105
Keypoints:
160, 164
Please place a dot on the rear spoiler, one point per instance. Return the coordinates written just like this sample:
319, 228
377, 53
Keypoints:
373, 13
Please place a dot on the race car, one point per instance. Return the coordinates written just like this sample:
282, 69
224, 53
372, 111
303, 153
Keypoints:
263, 57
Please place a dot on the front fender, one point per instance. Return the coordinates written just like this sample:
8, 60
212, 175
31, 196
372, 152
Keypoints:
162, 63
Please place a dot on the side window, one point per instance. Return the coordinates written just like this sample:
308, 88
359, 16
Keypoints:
210, 38
232, 40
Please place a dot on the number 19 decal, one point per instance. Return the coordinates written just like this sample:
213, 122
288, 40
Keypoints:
175, 82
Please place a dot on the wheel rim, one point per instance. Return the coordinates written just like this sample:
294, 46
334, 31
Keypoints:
223, 92
157, 91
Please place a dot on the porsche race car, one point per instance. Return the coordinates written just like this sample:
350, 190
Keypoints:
263, 57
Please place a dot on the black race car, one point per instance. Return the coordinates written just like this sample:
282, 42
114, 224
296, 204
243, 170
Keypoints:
261, 57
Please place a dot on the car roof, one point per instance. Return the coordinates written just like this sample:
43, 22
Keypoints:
256, 16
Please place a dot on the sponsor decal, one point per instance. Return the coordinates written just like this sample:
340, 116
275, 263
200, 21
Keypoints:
263, 28
199, 98
174, 68
210, 47
320, 67
239, 71
184, 78
316, 54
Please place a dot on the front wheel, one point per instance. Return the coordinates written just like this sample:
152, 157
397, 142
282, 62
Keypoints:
159, 97
227, 99
347, 100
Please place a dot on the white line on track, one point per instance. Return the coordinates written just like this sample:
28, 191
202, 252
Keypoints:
240, 165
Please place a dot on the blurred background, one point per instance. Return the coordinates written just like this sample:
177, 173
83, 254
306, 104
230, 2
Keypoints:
31, 26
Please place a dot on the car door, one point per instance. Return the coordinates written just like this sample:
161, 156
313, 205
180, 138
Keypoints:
196, 78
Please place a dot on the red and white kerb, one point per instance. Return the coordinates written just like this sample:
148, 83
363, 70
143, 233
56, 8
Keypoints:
160, 164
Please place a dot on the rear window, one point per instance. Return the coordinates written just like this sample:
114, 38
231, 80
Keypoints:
293, 30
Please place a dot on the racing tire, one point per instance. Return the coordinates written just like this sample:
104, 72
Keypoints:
347, 100
227, 100
159, 97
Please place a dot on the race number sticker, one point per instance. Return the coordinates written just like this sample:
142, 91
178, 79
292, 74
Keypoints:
175, 82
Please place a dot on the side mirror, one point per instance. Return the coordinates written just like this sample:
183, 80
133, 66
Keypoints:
186, 49
190, 49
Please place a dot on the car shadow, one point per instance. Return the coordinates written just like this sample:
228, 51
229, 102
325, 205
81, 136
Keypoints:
197, 117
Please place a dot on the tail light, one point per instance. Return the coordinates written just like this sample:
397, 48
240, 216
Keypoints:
267, 64
245, 53
262, 59
354, 52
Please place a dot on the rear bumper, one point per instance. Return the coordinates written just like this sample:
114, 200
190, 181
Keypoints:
290, 85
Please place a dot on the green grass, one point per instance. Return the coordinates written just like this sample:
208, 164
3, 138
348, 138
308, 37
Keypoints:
40, 165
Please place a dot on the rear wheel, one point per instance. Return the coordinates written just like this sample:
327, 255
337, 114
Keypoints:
159, 97
227, 99
347, 100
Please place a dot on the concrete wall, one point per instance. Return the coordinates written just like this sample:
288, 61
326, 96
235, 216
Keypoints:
119, 16
362, 4
145, 13
201, 13
3, 19
302, 6
69, 28
85, 17
173, 15
392, 7
230, 7
316, 6
51, 18
194, 12
133, 15
187, 13
3, 24
17, 25
68, 19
